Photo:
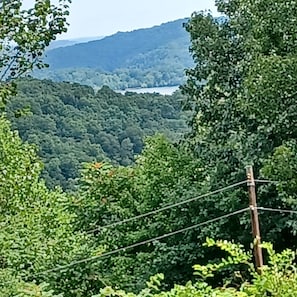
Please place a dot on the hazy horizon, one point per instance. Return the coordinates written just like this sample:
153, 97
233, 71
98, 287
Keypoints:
94, 18
64, 38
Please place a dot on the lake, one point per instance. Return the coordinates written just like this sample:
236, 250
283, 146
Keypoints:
161, 90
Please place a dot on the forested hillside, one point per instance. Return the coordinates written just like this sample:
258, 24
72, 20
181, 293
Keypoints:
150, 57
120, 49
72, 124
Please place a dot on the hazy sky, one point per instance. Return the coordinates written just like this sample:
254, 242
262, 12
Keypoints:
105, 17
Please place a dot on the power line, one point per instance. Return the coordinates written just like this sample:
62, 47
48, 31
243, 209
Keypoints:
277, 210
141, 243
266, 181
167, 207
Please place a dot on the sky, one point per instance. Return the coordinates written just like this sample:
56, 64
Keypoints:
92, 18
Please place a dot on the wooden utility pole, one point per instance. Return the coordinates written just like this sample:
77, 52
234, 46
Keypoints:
254, 218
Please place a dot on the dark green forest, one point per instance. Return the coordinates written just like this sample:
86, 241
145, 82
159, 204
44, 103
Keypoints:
175, 220
72, 124
150, 57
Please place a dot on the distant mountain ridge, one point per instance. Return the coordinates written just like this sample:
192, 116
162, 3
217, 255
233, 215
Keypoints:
117, 50
68, 42
150, 57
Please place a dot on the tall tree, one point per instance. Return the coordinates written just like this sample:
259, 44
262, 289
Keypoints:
163, 174
36, 227
24, 34
245, 109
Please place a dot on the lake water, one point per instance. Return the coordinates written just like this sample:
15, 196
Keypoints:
161, 90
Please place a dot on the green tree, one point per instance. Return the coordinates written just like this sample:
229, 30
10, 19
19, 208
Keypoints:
278, 277
246, 107
163, 174
36, 226
282, 167
24, 35
72, 124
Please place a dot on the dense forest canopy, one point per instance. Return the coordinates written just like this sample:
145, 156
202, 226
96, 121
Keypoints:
72, 124
125, 224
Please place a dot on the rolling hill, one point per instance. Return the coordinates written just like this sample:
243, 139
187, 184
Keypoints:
155, 56
68, 42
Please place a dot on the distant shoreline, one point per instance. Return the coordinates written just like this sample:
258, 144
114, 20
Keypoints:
161, 90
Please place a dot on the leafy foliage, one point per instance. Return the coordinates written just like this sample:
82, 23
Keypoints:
162, 175
246, 109
36, 228
24, 34
281, 166
72, 124
278, 278
53, 243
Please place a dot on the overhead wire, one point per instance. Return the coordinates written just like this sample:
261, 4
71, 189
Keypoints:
277, 210
59, 268
167, 207
266, 181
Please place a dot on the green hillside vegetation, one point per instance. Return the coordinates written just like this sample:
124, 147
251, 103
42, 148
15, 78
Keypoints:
276, 278
117, 51
72, 124
55, 244
142, 58
142, 229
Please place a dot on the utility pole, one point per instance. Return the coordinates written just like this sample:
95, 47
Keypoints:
254, 218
